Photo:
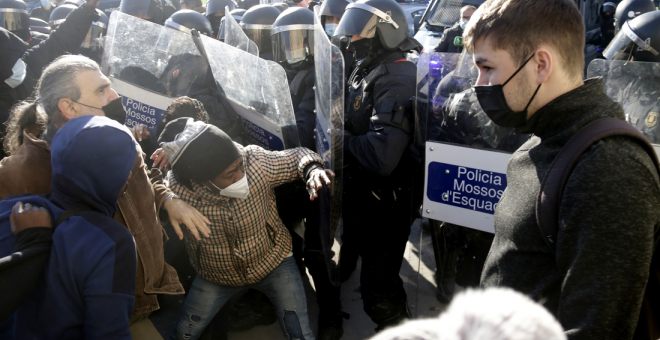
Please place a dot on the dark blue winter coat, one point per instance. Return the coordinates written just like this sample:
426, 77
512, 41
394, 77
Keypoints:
88, 285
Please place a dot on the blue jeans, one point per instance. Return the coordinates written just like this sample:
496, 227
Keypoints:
283, 286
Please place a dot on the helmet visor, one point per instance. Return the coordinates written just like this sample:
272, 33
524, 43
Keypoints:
626, 40
138, 8
293, 43
362, 19
357, 22
14, 19
93, 39
260, 34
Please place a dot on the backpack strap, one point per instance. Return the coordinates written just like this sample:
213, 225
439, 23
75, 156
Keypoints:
70, 212
552, 187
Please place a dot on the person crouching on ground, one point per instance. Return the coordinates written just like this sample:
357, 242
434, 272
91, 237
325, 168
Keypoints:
249, 245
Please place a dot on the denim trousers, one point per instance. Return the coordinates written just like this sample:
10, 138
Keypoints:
283, 286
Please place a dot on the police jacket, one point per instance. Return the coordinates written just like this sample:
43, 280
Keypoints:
378, 120
303, 100
451, 41
66, 39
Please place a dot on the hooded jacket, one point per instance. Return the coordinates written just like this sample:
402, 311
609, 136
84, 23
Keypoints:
87, 287
28, 170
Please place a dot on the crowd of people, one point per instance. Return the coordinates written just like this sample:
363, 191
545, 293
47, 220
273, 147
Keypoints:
93, 212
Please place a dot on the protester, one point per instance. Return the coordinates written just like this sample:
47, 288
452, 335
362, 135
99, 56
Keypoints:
452, 38
493, 314
594, 275
87, 288
74, 86
250, 246
20, 67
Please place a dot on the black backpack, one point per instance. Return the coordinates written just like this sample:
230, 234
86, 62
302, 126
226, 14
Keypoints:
552, 189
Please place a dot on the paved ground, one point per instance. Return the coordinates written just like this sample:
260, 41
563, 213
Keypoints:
417, 273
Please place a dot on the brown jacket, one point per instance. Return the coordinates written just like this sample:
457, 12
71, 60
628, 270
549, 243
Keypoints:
28, 170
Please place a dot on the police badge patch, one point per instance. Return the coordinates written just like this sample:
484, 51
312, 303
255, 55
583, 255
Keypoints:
651, 119
356, 105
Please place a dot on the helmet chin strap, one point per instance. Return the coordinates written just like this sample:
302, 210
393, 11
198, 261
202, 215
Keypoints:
376, 49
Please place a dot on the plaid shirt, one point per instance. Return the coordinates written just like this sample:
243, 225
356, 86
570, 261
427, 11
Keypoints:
248, 239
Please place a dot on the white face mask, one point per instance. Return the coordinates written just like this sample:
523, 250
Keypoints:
463, 23
330, 29
18, 74
239, 189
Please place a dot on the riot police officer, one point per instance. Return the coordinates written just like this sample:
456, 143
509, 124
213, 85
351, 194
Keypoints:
257, 24
14, 17
607, 23
91, 46
39, 9
152, 10
293, 48
215, 11
637, 85
186, 20
378, 168
630, 9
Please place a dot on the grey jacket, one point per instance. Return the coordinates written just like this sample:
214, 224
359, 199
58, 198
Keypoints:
609, 218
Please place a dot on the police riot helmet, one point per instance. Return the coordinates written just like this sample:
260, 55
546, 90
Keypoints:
638, 39
39, 25
257, 24
186, 20
609, 7
96, 30
237, 14
630, 9
332, 9
14, 15
383, 19
218, 6
281, 6
150, 10
293, 36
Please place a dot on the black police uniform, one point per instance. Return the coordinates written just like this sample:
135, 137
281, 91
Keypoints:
378, 181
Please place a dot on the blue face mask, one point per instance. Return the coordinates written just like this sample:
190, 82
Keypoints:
330, 29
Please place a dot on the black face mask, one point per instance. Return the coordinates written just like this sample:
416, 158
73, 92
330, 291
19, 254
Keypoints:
114, 110
493, 102
361, 48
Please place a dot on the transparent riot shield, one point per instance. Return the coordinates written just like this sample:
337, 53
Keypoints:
149, 65
234, 35
636, 86
329, 84
465, 152
258, 91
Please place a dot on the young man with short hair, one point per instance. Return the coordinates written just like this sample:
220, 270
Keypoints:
530, 59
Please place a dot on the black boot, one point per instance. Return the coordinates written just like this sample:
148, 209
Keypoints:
386, 313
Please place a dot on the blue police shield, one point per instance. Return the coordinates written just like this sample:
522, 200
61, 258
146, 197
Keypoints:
465, 153
258, 91
149, 65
